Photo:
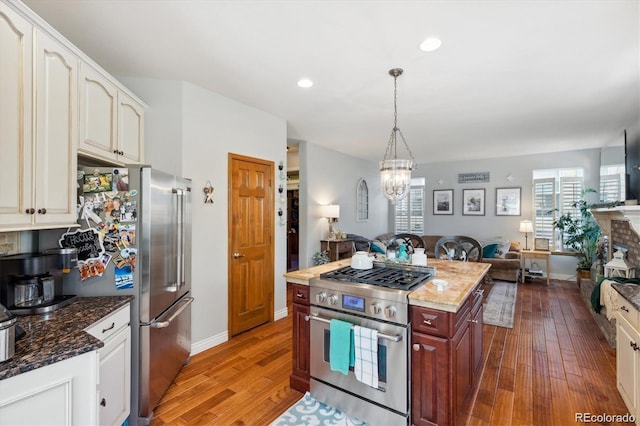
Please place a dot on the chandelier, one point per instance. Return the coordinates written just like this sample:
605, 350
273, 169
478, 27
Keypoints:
395, 173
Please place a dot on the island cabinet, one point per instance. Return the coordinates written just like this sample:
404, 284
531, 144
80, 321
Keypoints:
628, 354
299, 379
446, 359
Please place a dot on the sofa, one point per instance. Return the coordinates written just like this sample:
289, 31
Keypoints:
505, 261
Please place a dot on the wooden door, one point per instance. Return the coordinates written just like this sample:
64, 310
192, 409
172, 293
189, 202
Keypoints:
251, 223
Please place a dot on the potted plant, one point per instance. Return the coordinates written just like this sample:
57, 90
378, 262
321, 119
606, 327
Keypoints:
580, 234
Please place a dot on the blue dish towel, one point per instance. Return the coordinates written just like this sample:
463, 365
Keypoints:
341, 352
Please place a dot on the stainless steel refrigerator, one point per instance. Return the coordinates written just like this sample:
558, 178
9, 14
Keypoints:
161, 308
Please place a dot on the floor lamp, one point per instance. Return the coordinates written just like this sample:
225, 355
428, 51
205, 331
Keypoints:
526, 226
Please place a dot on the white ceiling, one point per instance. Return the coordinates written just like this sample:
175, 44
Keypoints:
512, 76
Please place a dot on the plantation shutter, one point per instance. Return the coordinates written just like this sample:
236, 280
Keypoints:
570, 191
409, 213
544, 204
610, 188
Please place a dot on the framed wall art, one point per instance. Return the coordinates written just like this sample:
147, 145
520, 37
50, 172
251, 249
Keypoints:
508, 201
443, 201
473, 202
542, 244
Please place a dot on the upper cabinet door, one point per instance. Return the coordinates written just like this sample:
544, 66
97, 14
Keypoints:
56, 131
16, 82
130, 129
98, 114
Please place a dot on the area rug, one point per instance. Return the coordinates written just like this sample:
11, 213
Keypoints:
309, 411
500, 305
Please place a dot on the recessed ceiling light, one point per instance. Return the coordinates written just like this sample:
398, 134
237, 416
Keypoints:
430, 44
305, 82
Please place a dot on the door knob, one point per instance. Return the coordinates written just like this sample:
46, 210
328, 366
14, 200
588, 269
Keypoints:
237, 255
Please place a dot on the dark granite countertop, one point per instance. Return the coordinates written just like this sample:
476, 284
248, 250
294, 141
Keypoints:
631, 292
60, 334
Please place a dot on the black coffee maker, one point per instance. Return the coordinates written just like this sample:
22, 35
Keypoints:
31, 283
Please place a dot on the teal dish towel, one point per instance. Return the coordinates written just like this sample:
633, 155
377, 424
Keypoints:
341, 353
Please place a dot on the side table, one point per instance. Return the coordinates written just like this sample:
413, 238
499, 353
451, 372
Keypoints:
337, 249
534, 254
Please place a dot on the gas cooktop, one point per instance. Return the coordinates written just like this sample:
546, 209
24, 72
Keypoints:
400, 277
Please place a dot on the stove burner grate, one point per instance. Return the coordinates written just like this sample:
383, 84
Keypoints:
395, 277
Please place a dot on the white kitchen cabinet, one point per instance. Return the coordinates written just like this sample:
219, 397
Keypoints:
56, 394
38, 135
111, 121
114, 384
628, 355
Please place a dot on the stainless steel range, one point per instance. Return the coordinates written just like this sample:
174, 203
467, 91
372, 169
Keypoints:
377, 299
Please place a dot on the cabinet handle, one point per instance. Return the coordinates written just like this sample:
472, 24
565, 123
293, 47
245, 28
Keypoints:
416, 347
427, 321
299, 295
624, 308
237, 255
104, 330
103, 402
473, 321
480, 292
635, 346
42, 211
115, 151
30, 210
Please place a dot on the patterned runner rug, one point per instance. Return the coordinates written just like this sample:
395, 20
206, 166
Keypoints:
310, 411
500, 305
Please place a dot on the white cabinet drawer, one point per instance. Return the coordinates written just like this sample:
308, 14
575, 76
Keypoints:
111, 324
627, 311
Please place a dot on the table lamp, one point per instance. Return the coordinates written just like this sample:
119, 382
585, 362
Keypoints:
332, 213
526, 226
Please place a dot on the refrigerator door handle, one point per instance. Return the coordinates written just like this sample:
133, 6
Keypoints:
162, 324
180, 240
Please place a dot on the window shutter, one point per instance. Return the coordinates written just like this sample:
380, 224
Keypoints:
409, 213
610, 188
570, 191
545, 205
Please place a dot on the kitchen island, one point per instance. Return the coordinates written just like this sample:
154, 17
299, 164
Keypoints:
445, 343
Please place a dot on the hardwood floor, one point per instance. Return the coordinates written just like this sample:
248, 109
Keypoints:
552, 364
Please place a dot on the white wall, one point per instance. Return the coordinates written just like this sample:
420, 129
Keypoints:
192, 130
327, 176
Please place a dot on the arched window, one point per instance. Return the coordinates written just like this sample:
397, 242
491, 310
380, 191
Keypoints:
362, 201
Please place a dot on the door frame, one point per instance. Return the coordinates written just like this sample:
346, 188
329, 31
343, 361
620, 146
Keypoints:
271, 246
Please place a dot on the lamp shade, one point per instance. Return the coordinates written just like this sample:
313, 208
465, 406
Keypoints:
331, 211
526, 226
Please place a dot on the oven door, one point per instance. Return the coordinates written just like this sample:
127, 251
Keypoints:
392, 391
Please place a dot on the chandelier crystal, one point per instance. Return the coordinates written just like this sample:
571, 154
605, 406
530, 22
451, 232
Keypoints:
395, 173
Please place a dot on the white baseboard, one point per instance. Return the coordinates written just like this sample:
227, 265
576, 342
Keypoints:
562, 277
209, 342
220, 338
282, 313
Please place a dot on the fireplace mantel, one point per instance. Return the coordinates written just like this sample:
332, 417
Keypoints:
630, 214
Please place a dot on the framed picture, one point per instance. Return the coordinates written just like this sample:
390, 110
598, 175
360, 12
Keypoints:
508, 201
443, 201
542, 244
473, 202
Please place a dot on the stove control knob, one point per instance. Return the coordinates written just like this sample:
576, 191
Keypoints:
333, 299
375, 309
321, 297
390, 311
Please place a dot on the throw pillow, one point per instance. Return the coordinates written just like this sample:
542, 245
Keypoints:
489, 250
378, 247
515, 246
503, 248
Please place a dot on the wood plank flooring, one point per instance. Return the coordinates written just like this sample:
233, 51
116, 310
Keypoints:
552, 364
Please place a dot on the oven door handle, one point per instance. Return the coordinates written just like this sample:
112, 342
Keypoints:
396, 338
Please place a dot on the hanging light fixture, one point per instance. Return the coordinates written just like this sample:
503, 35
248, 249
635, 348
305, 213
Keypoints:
395, 173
